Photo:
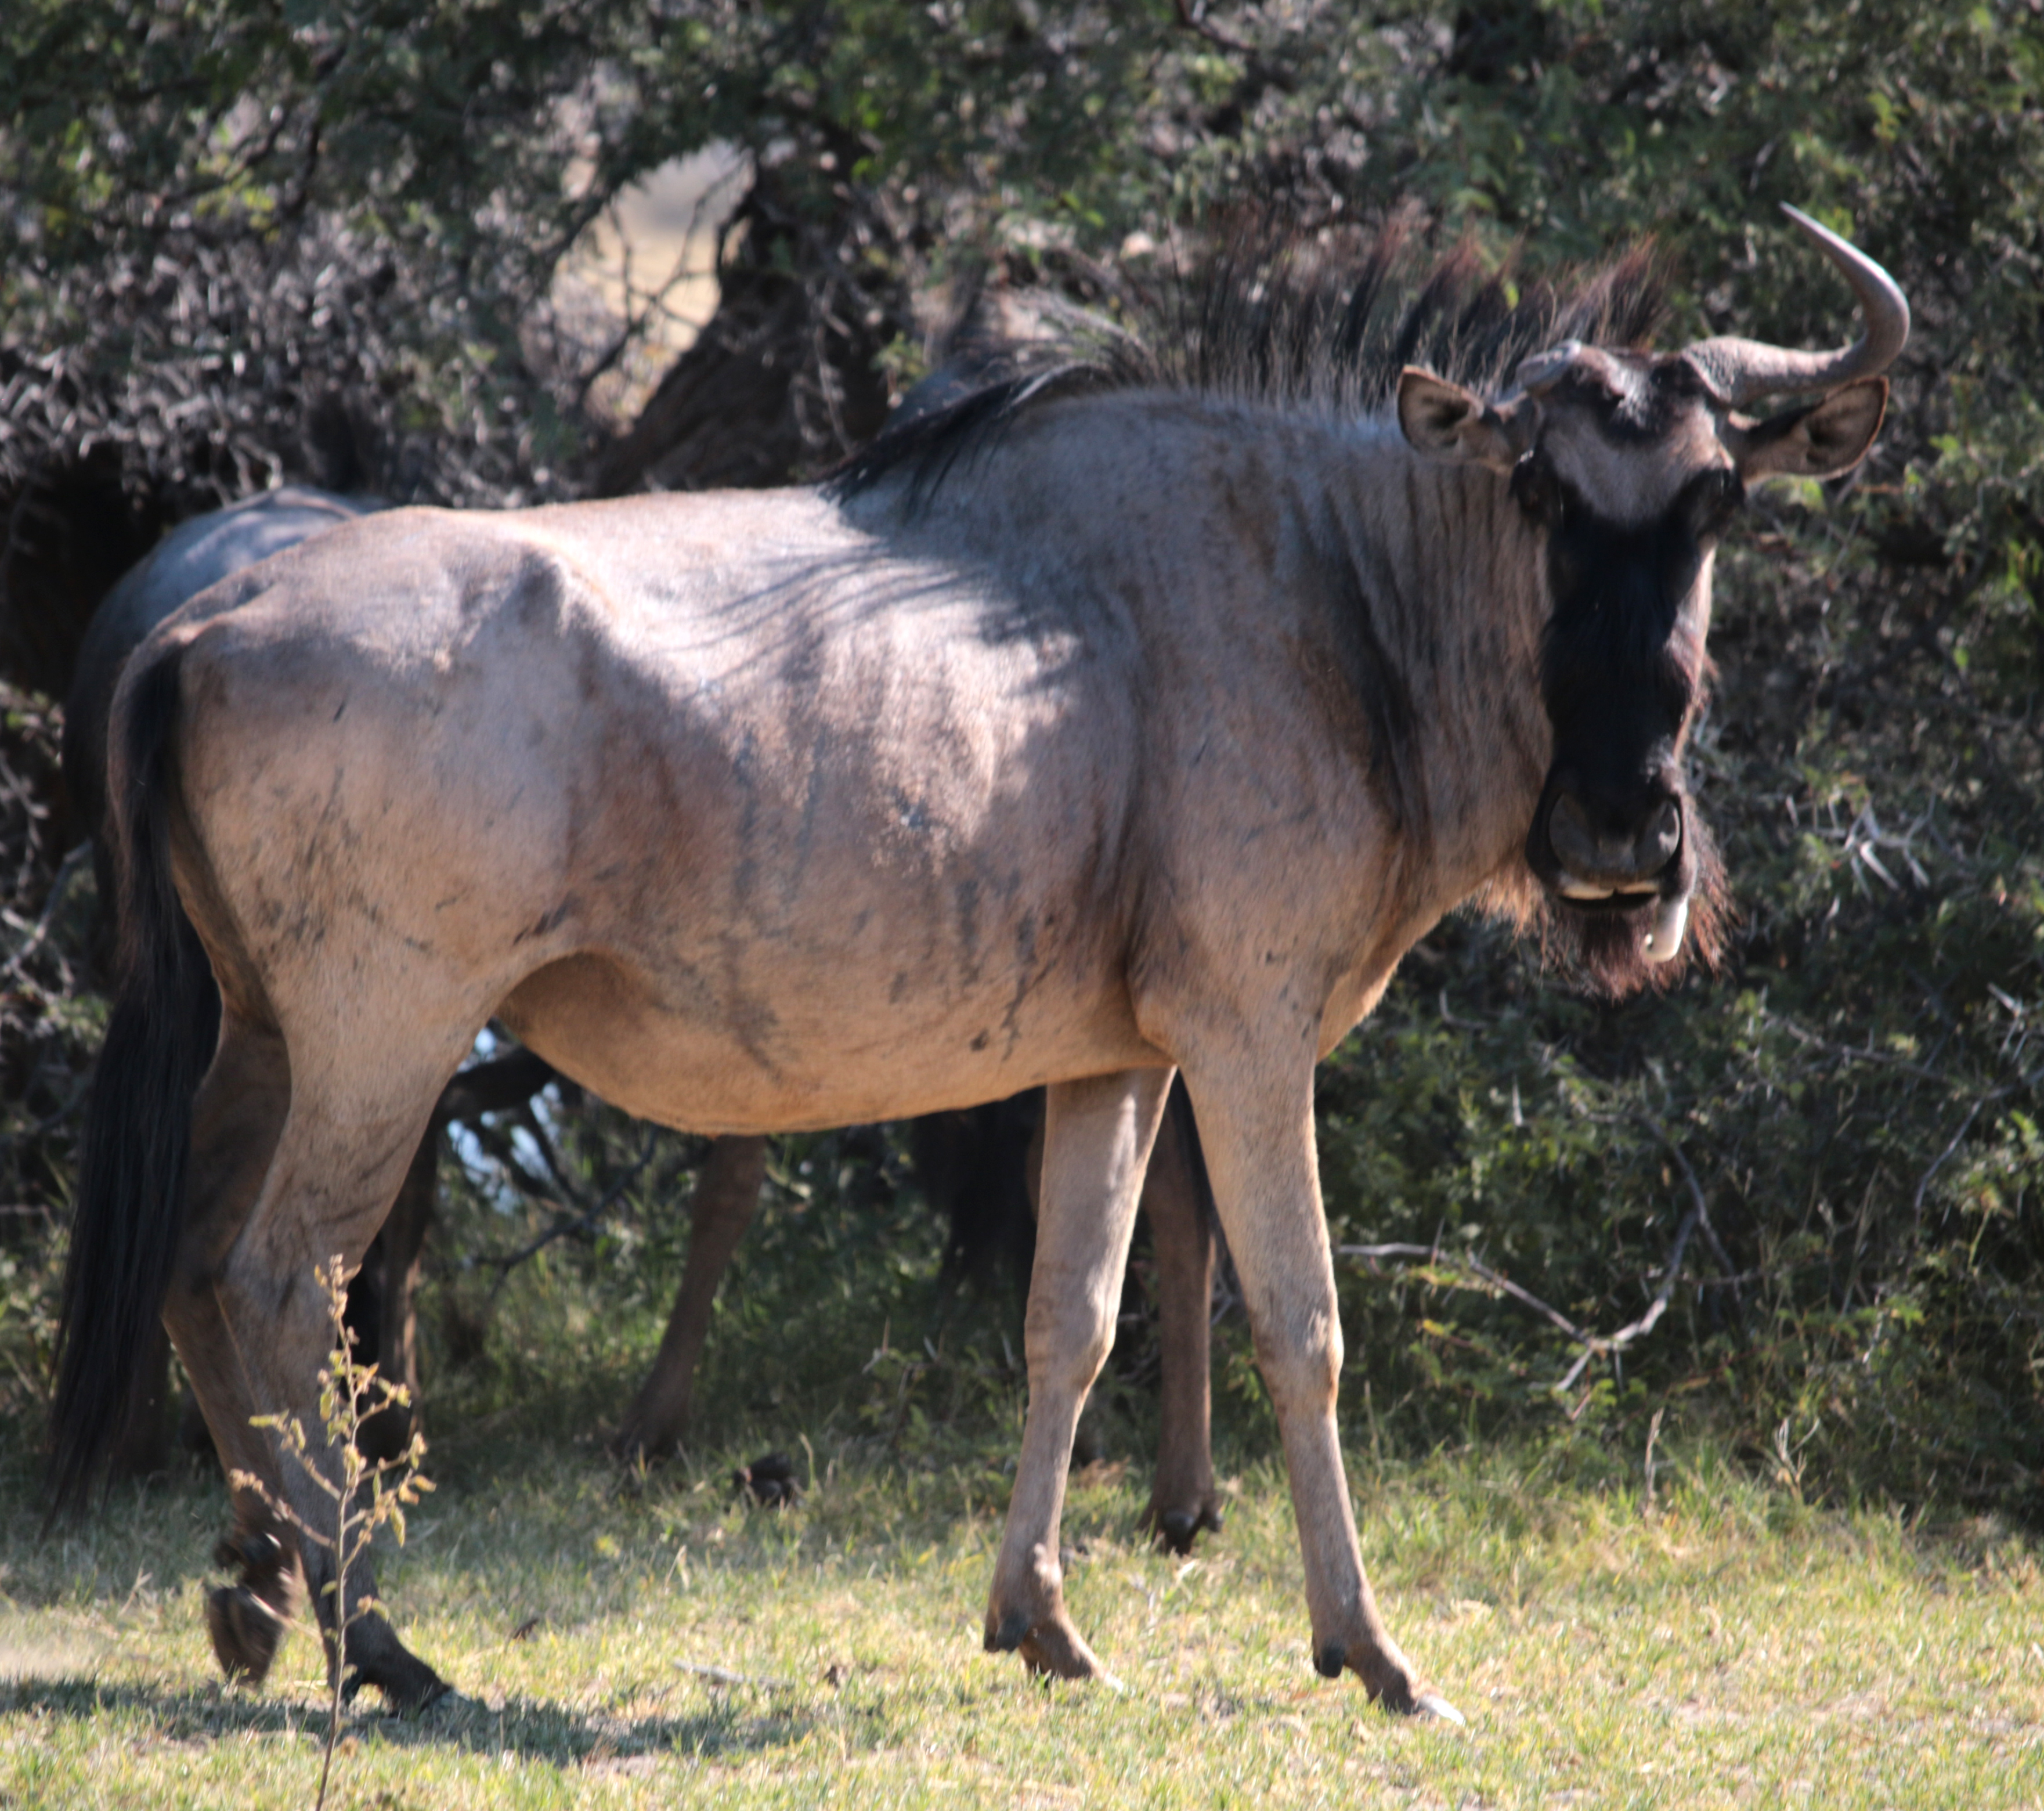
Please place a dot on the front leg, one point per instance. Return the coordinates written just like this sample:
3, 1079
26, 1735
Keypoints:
1256, 1124
1096, 1139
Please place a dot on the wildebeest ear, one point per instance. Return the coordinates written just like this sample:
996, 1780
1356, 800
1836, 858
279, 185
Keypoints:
1821, 441
1445, 421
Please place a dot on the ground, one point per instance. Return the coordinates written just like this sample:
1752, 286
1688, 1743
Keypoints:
642, 1639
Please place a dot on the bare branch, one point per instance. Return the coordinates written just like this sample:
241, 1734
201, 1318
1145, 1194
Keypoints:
724, 1676
507, 1262
59, 887
1697, 1197
1645, 1324
1433, 1255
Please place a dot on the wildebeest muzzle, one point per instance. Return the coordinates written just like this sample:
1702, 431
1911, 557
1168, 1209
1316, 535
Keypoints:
1599, 851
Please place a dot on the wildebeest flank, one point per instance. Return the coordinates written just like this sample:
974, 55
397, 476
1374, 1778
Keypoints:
1016, 759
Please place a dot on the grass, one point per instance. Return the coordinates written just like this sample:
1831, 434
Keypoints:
1731, 1647
642, 1639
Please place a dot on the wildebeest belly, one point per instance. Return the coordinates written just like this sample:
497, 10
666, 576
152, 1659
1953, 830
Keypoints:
821, 1047
814, 910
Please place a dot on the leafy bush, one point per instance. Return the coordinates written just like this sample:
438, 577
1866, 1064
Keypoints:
1854, 1099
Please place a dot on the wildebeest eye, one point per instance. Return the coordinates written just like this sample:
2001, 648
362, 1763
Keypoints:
1536, 489
1712, 498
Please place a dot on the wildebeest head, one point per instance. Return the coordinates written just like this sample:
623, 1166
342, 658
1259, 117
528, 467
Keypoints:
1631, 465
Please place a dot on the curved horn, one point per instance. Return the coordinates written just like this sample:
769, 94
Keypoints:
1543, 370
1740, 371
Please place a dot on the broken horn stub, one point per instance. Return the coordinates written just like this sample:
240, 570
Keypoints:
1740, 371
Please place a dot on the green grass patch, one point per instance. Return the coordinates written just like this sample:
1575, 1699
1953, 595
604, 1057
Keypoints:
623, 1639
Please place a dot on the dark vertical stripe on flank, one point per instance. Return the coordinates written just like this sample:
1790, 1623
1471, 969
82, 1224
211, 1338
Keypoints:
1378, 677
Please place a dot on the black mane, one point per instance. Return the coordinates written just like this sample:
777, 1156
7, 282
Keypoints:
1323, 319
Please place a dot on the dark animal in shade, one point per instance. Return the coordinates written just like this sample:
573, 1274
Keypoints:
974, 1164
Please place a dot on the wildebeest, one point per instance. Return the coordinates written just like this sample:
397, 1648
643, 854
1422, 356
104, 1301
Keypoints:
1095, 728
960, 1167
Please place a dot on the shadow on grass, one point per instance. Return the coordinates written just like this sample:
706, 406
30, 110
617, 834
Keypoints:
532, 1729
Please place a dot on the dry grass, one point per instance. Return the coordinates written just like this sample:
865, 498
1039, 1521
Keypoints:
1731, 1649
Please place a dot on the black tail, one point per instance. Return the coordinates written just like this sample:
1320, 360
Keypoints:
131, 1185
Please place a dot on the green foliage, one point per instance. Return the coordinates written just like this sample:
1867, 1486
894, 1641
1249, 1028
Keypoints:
1856, 1097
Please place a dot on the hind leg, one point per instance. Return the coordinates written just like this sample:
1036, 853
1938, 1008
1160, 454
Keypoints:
389, 1279
328, 1190
727, 1194
1182, 1501
236, 1118
250, 1303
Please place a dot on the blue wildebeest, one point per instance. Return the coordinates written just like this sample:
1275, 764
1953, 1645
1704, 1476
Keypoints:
955, 1155
1098, 727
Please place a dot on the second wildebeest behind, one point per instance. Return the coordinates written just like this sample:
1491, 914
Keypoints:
974, 1165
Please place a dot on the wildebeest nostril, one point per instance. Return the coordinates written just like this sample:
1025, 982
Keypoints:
1616, 853
1663, 834
1576, 844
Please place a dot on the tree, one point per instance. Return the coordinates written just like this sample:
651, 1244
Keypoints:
240, 240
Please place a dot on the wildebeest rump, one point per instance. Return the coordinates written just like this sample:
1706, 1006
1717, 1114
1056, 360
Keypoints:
968, 1187
194, 554
1088, 730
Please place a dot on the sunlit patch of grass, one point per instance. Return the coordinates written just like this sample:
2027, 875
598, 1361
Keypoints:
622, 1638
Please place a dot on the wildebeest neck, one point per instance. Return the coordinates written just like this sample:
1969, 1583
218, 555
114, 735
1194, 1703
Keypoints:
1434, 581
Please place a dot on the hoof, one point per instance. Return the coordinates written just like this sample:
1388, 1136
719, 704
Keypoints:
1009, 1633
254, 1552
376, 1657
246, 1633
1048, 1644
1177, 1529
1053, 1647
